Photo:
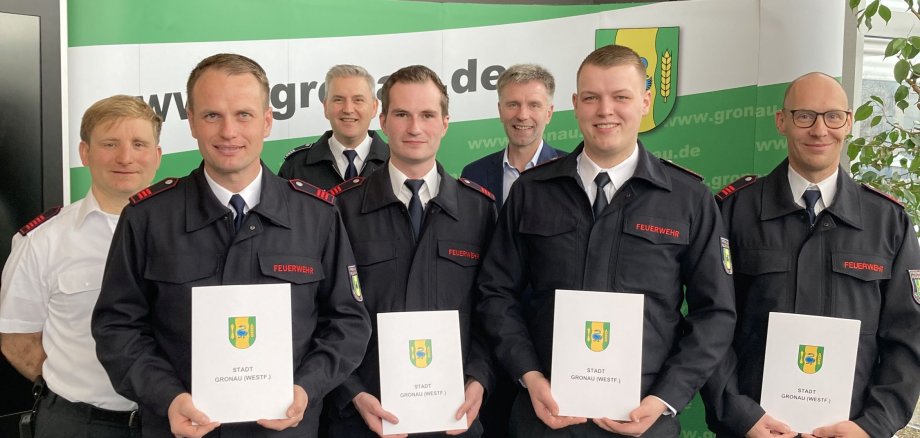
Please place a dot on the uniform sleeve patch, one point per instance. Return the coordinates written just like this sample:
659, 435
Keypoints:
739, 184
316, 192
40, 219
726, 256
915, 283
346, 186
302, 147
484, 191
154, 190
682, 168
355, 284
882, 194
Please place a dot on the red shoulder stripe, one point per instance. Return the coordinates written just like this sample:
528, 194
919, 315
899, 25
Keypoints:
40, 219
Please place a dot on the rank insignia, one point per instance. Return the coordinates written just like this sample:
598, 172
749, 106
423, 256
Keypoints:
42, 218
242, 331
597, 335
915, 283
155, 189
811, 357
726, 256
355, 284
420, 352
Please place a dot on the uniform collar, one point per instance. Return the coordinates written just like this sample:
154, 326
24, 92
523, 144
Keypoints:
203, 208
530, 164
379, 192
251, 194
648, 168
320, 150
798, 185
379, 151
777, 197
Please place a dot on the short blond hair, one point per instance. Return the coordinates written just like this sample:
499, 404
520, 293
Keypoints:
116, 107
611, 56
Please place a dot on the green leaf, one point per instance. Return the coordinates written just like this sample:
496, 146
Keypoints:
914, 41
854, 4
901, 69
875, 121
901, 92
877, 99
852, 151
902, 104
894, 46
872, 8
909, 51
884, 12
894, 136
863, 112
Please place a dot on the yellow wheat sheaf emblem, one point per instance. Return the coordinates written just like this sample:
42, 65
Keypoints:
420, 352
597, 335
658, 47
811, 357
242, 331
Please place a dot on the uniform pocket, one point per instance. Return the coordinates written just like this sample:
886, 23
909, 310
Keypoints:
80, 280
370, 253
293, 269
658, 230
753, 262
862, 266
463, 254
546, 225
181, 268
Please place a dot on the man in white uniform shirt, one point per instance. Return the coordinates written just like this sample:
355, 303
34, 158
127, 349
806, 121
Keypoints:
52, 277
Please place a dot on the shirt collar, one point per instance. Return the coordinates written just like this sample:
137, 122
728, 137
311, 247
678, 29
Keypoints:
251, 194
619, 174
798, 184
429, 189
362, 148
90, 205
530, 164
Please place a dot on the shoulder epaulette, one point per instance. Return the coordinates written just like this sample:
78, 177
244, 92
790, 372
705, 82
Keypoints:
316, 192
882, 194
739, 184
683, 169
40, 219
153, 190
302, 147
484, 191
346, 186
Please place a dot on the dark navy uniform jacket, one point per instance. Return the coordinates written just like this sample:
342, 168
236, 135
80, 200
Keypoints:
315, 164
659, 234
183, 237
854, 264
437, 274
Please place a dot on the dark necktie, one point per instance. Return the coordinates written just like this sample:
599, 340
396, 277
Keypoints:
415, 205
811, 197
237, 202
351, 171
600, 198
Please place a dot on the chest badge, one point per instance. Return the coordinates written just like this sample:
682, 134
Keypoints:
726, 256
811, 358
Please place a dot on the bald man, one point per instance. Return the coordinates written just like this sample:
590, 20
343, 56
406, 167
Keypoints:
795, 235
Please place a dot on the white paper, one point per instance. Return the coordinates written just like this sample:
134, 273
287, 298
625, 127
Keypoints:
605, 382
242, 379
818, 392
421, 370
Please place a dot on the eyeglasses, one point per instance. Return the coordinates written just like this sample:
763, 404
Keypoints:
832, 119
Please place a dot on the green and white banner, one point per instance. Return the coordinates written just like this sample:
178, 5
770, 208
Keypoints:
718, 68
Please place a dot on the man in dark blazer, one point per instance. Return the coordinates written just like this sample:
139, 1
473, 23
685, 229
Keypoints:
349, 149
525, 106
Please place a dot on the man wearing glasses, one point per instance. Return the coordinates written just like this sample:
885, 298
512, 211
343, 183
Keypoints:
807, 239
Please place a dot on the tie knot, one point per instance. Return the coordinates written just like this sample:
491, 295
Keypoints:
811, 197
237, 202
602, 179
350, 154
414, 185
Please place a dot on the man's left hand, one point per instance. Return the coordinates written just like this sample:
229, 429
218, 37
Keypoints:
641, 418
473, 395
294, 412
845, 429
